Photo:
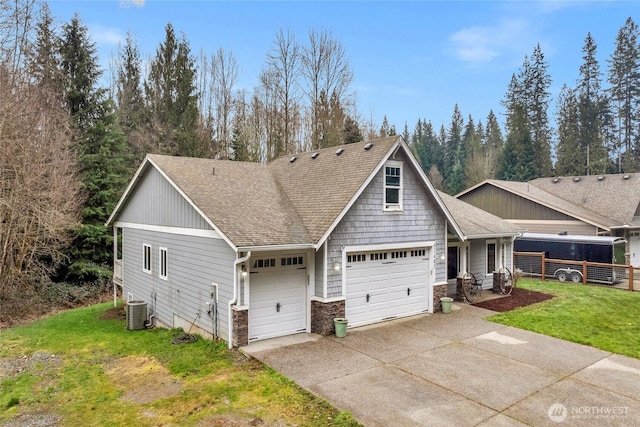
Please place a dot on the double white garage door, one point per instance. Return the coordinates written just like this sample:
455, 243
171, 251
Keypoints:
380, 285
383, 285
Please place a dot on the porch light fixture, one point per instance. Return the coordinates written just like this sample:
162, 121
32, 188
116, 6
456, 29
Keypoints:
244, 271
336, 266
442, 256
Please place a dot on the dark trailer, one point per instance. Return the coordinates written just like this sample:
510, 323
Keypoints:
592, 249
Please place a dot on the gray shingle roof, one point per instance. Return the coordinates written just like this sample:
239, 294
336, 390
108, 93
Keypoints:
476, 222
280, 203
611, 196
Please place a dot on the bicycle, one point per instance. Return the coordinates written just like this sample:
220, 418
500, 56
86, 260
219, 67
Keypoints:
505, 281
471, 287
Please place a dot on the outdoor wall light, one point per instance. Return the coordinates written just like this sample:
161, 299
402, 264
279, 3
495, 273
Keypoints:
336, 266
244, 271
442, 256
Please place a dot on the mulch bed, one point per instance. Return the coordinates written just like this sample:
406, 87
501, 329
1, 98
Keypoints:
518, 298
114, 313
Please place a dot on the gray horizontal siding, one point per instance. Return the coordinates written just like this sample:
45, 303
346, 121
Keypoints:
154, 201
193, 264
319, 273
366, 223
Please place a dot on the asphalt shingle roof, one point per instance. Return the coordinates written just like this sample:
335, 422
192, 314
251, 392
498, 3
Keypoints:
475, 222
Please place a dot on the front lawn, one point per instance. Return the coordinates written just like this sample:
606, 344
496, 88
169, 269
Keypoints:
601, 317
80, 368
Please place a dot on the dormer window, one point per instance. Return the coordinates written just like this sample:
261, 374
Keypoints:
393, 186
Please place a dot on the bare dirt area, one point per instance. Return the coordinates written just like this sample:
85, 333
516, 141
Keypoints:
518, 298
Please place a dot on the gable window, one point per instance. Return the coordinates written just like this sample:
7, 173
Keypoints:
162, 269
393, 186
491, 257
146, 258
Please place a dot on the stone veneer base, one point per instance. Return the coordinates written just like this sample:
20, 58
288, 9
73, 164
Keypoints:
322, 315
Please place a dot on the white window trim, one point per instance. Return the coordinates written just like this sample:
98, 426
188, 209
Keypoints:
144, 257
392, 207
496, 256
162, 264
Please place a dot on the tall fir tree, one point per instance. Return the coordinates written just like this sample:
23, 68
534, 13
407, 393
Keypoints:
624, 77
455, 156
173, 102
593, 111
101, 151
517, 160
538, 100
570, 159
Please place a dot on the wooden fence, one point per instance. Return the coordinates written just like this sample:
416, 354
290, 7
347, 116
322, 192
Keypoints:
535, 264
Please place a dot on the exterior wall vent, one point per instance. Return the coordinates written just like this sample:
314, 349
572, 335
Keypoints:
368, 146
340, 150
293, 159
314, 155
576, 179
136, 315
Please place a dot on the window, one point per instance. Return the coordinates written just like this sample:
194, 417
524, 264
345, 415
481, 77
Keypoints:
398, 254
264, 263
418, 252
294, 260
146, 258
491, 257
162, 264
356, 258
393, 186
380, 256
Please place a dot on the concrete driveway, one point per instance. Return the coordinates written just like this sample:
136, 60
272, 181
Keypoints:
457, 369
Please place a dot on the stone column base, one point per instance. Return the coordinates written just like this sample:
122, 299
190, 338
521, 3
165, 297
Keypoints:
497, 278
439, 291
322, 315
240, 327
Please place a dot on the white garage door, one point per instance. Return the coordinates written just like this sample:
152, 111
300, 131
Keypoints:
277, 297
383, 285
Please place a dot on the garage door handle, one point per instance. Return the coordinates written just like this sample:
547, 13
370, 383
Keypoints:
367, 297
278, 307
408, 291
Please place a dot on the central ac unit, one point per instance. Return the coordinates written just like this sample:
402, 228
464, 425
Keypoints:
136, 315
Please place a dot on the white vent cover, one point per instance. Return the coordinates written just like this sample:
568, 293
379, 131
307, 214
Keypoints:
136, 315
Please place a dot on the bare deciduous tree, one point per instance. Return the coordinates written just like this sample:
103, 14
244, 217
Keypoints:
39, 187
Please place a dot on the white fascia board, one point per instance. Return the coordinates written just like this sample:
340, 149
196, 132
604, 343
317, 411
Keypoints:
276, 248
197, 232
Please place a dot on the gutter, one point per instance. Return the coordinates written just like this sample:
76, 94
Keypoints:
235, 294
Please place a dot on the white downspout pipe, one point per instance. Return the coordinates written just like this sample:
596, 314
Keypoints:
235, 294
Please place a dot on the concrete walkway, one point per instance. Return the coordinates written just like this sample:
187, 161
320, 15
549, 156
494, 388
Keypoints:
457, 369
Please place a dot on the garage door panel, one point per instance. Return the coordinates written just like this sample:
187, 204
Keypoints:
387, 283
277, 303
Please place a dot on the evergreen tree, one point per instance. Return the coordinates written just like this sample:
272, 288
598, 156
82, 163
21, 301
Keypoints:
517, 160
131, 109
170, 90
455, 158
351, 132
592, 111
538, 101
570, 158
45, 60
624, 77
101, 151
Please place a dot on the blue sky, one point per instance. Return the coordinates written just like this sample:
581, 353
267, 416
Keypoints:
410, 60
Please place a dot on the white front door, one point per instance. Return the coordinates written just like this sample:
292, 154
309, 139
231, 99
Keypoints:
634, 248
277, 298
383, 285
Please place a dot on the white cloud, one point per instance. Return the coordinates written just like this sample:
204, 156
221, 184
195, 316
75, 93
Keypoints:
484, 44
129, 3
106, 36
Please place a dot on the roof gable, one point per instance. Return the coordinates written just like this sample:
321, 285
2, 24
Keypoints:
294, 200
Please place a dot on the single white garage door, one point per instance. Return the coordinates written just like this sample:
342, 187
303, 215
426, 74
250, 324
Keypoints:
277, 297
384, 285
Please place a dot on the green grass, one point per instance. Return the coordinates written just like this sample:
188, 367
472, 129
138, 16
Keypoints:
218, 385
601, 317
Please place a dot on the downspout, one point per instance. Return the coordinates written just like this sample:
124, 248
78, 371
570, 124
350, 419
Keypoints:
235, 293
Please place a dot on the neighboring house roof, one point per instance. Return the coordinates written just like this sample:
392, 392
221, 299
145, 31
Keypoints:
294, 200
605, 201
476, 223
614, 196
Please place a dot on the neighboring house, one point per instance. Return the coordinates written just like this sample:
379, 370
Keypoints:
593, 205
487, 245
250, 251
